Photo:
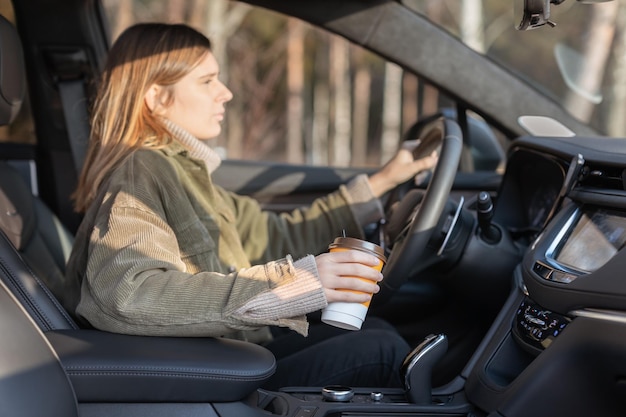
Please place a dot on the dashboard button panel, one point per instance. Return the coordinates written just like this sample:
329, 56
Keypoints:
537, 326
553, 274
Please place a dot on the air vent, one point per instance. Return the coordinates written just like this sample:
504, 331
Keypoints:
603, 177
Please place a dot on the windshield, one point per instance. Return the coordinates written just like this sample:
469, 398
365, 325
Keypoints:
579, 62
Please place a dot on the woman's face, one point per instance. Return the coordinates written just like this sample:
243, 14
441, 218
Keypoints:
198, 100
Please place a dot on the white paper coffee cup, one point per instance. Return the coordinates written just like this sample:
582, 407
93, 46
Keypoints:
350, 316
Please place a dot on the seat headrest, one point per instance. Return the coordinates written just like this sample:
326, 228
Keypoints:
12, 76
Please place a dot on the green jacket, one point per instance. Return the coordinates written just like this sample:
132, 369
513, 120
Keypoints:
164, 251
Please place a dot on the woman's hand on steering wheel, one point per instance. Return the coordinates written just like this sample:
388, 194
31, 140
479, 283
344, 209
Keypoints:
401, 168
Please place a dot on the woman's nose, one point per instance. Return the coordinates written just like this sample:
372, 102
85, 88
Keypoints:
226, 95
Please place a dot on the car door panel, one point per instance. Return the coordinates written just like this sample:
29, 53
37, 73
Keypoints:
283, 187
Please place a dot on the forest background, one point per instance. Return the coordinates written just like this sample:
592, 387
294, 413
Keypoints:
303, 95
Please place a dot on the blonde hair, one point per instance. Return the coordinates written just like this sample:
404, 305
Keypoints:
121, 122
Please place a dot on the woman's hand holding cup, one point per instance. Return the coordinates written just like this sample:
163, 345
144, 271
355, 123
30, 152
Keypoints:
350, 273
337, 271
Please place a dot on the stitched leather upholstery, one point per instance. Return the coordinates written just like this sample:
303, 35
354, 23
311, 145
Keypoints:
38, 301
43, 243
106, 367
32, 381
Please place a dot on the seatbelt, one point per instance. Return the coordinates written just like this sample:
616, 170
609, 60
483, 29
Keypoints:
75, 104
70, 67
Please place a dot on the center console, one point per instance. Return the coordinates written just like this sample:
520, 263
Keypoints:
417, 397
558, 347
315, 402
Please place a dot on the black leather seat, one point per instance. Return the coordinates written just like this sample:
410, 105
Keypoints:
26, 222
106, 371
32, 381
29, 366
37, 234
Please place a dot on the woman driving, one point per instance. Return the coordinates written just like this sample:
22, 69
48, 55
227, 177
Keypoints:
162, 250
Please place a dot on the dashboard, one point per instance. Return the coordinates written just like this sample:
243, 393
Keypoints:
529, 192
589, 238
563, 327
573, 215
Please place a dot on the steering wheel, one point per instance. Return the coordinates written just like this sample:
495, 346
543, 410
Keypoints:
411, 244
429, 141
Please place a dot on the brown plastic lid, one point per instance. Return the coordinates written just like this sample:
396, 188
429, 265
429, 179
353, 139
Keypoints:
358, 244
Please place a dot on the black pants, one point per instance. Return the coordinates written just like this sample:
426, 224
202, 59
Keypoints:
370, 357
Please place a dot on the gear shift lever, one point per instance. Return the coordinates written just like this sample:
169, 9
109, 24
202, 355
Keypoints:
416, 370
484, 211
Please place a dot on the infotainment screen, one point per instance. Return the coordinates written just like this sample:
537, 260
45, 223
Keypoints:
595, 238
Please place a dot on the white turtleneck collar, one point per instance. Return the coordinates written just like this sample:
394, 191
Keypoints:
196, 147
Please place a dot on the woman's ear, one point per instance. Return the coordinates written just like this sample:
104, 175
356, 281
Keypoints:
153, 99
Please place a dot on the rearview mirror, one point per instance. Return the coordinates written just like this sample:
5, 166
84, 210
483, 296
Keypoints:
532, 14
